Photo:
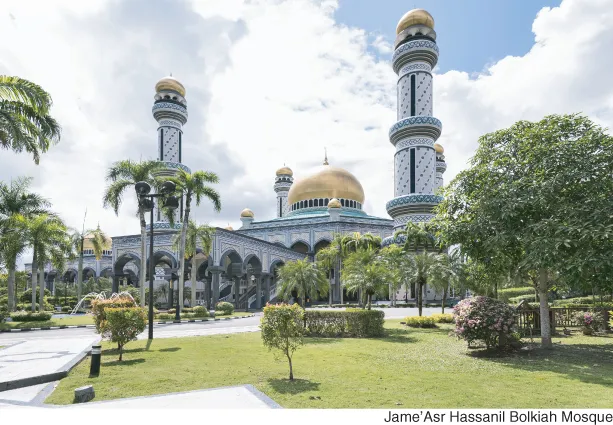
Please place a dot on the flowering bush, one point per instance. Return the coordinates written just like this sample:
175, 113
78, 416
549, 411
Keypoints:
591, 321
484, 319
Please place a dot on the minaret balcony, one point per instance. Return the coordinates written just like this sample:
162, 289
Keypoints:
417, 50
416, 126
411, 204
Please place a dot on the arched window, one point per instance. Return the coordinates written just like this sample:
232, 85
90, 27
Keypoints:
326, 202
310, 203
342, 202
413, 95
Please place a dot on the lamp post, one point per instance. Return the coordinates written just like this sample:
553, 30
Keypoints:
146, 202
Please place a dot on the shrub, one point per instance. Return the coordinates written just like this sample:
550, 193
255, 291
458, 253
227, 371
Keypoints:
165, 316
282, 329
593, 321
420, 322
172, 311
528, 298
188, 315
28, 307
442, 318
611, 319
508, 293
224, 307
28, 316
572, 302
2, 315
484, 319
66, 309
99, 307
26, 296
124, 325
350, 323
187, 310
200, 311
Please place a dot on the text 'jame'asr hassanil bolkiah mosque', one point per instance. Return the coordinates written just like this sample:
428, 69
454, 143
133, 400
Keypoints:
309, 210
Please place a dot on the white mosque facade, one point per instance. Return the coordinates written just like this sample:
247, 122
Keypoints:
309, 210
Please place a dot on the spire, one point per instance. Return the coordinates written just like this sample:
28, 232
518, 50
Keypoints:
326, 157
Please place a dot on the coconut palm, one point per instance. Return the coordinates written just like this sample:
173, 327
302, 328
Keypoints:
77, 239
17, 204
25, 123
422, 266
400, 265
441, 277
196, 234
331, 257
365, 272
416, 237
121, 176
193, 185
302, 277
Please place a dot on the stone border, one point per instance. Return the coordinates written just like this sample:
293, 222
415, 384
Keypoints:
166, 322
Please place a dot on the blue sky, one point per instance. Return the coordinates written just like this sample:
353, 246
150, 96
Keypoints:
471, 33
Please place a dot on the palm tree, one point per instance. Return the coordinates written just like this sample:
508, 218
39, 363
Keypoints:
48, 238
441, 277
17, 204
193, 185
196, 234
416, 237
365, 271
400, 265
302, 277
98, 240
122, 175
25, 123
423, 263
332, 257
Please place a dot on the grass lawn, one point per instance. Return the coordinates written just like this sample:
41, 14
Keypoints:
409, 368
80, 319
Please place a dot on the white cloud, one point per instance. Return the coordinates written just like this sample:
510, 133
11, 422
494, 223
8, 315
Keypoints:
268, 82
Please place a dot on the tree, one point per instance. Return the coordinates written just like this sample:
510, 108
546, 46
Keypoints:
441, 277
196, 234
365, 271
422, 266
331, 258
124, 325
416, 237
302, 277
400, 265
536, 197
193, 185
121, 176
283, 329
25, 123
17, 205
98, 240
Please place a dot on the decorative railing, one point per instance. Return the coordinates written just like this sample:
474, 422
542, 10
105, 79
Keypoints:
529, 320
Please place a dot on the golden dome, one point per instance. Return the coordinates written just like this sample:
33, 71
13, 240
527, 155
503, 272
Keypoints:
285, 171
438, 148
329, 182
170, 83
415, 17
247, 213
228, 228
334, 203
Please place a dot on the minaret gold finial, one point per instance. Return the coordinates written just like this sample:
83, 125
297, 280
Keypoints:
326, 156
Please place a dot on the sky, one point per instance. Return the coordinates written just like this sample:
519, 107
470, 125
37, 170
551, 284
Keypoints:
274, 82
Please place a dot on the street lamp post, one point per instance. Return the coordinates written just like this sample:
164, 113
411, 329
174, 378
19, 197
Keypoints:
146, 201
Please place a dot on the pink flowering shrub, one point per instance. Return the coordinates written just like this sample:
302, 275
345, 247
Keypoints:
484, 319
590, 320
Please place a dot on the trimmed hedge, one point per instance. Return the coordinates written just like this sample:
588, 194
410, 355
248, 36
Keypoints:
508, 293
443, 318
420, 322
200, 311
571, 302
23, 316
520, 298
98, 307
351, 323
224, 308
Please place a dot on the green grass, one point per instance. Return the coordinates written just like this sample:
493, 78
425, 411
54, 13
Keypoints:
73, 320
418, 368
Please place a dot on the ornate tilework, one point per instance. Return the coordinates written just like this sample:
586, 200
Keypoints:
414, 199
414, 45
169, 123
415, 120
413, 218
413, 67
167, 105
418, 141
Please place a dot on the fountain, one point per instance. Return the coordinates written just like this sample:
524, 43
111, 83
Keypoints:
101, 296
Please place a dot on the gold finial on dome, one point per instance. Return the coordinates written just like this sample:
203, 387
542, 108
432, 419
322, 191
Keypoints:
229, 227
247, 213
415, 17
438, 148
285, 171
334, 203
170, 83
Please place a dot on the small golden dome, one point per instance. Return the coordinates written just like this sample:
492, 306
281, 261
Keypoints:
247, 213
285, 171
170, 83
329, 182
334, 203
438, 148
229, 228
415, 17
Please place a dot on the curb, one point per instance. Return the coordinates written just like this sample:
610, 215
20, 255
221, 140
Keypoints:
49, 328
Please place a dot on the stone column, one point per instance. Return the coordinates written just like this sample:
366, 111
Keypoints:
258, 291
237, 286
266, 278
115, 284
215, 280
207, 292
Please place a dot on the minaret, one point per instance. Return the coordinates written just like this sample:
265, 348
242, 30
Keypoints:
416, 131
283, 182
441, 165
170, 111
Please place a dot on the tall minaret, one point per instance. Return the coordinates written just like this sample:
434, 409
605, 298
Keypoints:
283, 182
170, 111
416, 131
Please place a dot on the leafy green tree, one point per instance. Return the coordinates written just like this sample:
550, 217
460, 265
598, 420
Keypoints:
441, 277
124, 325
25, 123
98, 240
121, 176
366, 272
196, 234
536, 197
400, 265
283, 329
302, 277
193, 186
416, 237
331, 258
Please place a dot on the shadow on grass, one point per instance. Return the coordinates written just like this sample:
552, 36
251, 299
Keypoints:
321, 340
169, 349
123, 362
587, 363
402, 336
297, 386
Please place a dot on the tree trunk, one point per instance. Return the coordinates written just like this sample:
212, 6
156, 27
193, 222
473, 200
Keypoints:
193, 277
11, 289
120, 352
369, 296
143, 254
188, 201
420, 297
41, 294
291, 370
80, 273
444, 300
34, 280
544, 310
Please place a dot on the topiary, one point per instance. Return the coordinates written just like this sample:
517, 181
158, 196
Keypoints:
484, 319
420, 322
224, 308
200, 311
443, 318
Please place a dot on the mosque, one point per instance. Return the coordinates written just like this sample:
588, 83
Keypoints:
310, 210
